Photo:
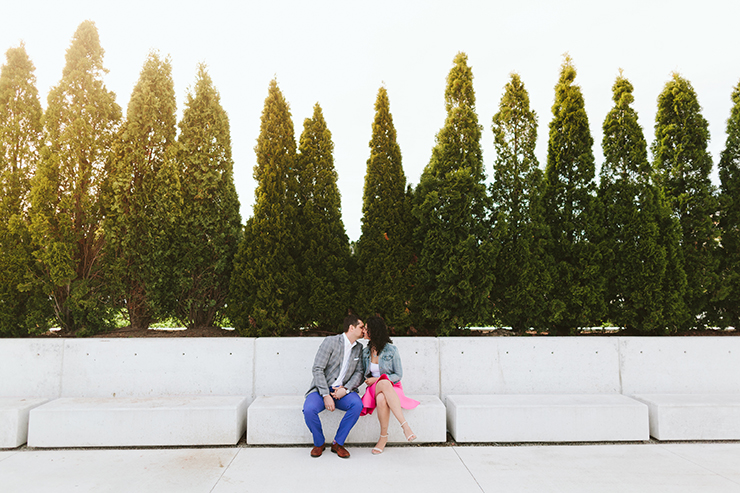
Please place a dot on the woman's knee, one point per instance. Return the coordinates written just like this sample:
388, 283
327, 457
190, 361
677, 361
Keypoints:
384, 385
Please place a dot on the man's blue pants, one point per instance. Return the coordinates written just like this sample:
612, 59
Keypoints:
351, 404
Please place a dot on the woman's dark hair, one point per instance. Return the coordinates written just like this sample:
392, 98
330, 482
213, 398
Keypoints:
378, 333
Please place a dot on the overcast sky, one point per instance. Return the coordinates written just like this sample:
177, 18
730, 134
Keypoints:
338, 53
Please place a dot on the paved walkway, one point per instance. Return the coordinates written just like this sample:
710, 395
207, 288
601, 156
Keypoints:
651, 467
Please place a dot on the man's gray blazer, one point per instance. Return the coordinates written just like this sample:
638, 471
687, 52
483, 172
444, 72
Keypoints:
328, 363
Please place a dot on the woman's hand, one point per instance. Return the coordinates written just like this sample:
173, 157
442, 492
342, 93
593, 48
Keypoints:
371, 381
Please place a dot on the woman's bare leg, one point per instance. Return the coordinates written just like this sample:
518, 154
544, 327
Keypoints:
384, 416
385, 388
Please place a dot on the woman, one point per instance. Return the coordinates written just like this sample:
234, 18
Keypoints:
383, 374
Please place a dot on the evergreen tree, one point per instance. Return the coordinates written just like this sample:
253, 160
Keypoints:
265, 284
385, 249
453, 279
323, 255
141, 211
522, 280
644, 276
727, 306
21, 133
80, 124
682, 166
570, 211
211, 222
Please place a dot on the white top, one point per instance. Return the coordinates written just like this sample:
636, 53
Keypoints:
345, 362
375, 369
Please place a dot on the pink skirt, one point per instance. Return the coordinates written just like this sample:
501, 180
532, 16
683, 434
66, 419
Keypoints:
368, 399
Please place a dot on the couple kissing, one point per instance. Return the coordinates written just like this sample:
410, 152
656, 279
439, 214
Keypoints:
341, 365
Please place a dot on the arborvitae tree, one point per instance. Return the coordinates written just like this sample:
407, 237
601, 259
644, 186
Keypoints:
322, 251
265, 284
22, 312
210, 219
141, 212
384, 250
570, 210
727, 305
682, 167
522, 280
453, 278
644, 276
80, 124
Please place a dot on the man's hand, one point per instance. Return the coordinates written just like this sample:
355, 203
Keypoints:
328, 403
337, 395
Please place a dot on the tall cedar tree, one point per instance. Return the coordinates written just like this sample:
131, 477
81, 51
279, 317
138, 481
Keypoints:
453, 278
682, 167
142, 203
384, 250
21, 135
80, 123
727, 306
570, 211
265, 284
323, 256
210, 219
522, 280
645, 281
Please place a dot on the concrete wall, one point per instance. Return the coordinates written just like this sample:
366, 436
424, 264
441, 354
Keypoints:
31, 367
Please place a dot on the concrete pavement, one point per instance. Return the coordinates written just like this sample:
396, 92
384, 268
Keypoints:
649, 467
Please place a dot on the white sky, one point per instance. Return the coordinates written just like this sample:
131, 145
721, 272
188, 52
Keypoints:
338, 53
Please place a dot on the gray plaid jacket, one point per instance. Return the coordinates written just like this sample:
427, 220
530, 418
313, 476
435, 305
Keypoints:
328, 363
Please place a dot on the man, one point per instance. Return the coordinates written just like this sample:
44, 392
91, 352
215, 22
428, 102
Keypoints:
337, 372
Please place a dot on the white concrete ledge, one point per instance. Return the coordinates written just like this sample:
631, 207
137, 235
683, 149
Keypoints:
693, 416
546, 418
14, 419
142, 421
273, 420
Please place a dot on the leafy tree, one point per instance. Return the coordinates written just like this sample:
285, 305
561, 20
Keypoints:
80, 124
141, 212
453, 280
682, 167
265, 284
21, 135
323, 255
645, 281
727, 305
211, 223
570, 211
522, 280
385, 250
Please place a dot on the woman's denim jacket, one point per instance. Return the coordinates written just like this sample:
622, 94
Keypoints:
389, 361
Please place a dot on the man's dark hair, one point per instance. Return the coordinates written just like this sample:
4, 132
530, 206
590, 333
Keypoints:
350, 319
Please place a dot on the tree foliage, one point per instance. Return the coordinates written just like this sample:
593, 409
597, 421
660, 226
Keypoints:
80, 124
570, 210
682, 166
23, 307
142, 199
644, 276
385, 250
453, 280
322, 253
521, 277
265, 283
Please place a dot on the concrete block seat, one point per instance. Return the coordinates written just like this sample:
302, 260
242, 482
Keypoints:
691, 385
148, 392
30, 375
283, 374
537, 390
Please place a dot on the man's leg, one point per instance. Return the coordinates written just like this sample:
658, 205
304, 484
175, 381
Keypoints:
351, 404
312, 406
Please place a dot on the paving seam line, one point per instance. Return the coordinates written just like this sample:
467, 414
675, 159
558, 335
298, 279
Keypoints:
699, 465
238, 451
468, 469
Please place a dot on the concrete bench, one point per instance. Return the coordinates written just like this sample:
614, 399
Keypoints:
537, 390
691, 385
30, 375
283, 374
148, 392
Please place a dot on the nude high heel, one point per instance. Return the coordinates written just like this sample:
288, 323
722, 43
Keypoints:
410, 437
379, 450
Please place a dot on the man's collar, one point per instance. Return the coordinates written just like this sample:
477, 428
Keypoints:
351, 344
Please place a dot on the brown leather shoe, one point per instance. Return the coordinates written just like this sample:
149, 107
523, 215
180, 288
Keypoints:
339, 450
317, 451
